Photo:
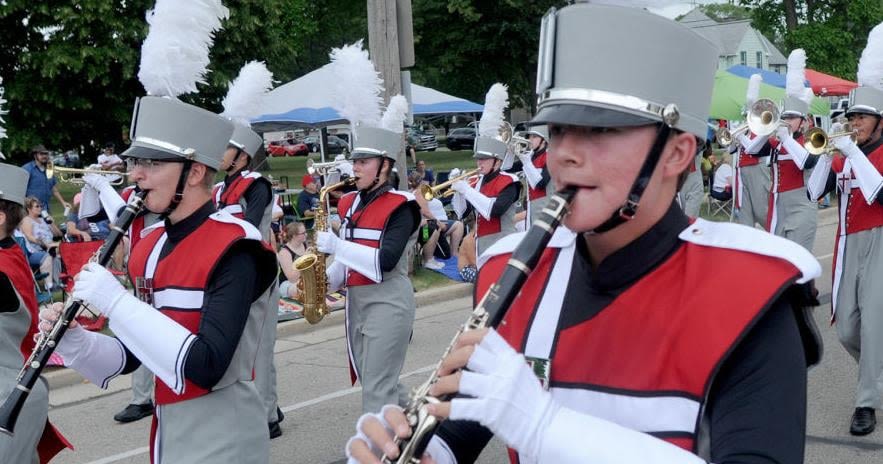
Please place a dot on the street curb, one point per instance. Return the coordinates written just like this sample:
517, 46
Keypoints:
63, 377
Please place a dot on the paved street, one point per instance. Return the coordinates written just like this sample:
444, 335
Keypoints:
321, 409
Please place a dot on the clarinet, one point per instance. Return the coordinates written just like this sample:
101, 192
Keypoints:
47, 342
488, 313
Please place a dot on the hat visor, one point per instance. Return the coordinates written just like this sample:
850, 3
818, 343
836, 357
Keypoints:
792, 114
589, 115
862, 110
144, 152
483, 155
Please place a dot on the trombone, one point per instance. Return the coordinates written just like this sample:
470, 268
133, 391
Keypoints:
444, 189
75, 176
818, 142
762, 119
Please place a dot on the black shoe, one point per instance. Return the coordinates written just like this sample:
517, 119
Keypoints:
863, 421
279, 416
275, 430
134, 412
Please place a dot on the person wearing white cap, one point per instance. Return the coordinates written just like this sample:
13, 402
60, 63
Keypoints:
636, 366
495, 192
35, 439
378, 226
248, 195
856, 299
196, 273
536, 173
791, 214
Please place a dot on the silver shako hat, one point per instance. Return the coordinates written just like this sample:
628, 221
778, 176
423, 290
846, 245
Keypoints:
794, 107
246, 140
867, 98
374, 141
13, 183
489, 147
167, 129
540, 130
594, 70
489, 141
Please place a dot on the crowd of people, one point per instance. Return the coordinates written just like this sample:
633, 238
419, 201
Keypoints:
610, 336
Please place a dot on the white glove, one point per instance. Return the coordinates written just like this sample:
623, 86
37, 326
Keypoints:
508, 398
98, 288
361, 435
783, 133
846, 146
335, 276
460, 186
326, 242
96, 181
532, 173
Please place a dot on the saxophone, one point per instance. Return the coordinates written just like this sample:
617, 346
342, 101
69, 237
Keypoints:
488, 313
312, 285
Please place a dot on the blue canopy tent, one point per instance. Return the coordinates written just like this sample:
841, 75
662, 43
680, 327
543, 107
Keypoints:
769, 77
306, 102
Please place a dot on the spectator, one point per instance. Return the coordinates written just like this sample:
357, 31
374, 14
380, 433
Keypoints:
466, 262
295, 246
451, 228
40, 237
425, 174
109, 160
40, 185
430, 228
722, 186
308, 200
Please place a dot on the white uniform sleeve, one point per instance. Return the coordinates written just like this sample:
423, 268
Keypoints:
753, 146
869, 179
98, 357
815, 186
479, 201
798, 153
532, 173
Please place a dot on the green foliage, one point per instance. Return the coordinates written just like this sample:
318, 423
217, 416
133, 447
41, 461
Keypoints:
833, 32
723, 12
464, 46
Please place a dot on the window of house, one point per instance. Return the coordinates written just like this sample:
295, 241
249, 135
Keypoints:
743, 58
760, 60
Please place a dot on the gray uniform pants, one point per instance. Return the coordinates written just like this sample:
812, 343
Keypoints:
142, 385
265, 365
692, 194
796, 218
755, 195
21, 448
380, 319
859, 316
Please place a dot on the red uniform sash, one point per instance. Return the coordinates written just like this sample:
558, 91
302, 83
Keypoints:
366, 225
492, 189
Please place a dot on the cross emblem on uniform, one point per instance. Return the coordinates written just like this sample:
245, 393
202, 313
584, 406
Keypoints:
144, 289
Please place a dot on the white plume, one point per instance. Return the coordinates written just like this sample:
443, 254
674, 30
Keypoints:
2, 112
357, 86
753, 89
247, 93
808, 95
495, 103
870, 66
395, 114
794, 80
175, 54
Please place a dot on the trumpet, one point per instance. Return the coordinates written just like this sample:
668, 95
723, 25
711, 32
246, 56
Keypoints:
75, 175
441, 190
818, 142
762, 119
321, 169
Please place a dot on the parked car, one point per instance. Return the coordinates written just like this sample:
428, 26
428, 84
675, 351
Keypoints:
69, 159
421, 141
460, 139
287, 148
336, 145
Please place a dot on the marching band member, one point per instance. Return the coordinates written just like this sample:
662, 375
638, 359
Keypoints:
791, 214
691, 193
495, 193
637, 366
536, 173
752, 188
856, 301
35, 440
248, 195
378, 226
196, 273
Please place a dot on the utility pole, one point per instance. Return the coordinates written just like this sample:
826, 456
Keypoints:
390, 55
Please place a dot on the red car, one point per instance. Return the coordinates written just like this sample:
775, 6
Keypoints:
287, 148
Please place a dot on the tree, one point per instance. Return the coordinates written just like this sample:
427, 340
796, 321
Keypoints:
833, 32
464, 46
723, 12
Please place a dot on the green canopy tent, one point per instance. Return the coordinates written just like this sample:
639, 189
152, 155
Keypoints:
728, 98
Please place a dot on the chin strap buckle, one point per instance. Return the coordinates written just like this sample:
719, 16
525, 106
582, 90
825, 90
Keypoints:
628, 210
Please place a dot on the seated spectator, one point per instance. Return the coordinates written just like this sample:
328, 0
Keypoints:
295, 245
466, 260
451, 229
430, 228
308, 200
722, 186
109, 160
425, 174
40, 232
87, 221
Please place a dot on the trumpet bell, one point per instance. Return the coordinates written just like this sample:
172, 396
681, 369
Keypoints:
818, 141
763, 117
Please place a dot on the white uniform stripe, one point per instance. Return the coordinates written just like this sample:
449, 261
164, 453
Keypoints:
366, 234
153, 258
644, 414
178, 298
841, 245
541, 335
233, 209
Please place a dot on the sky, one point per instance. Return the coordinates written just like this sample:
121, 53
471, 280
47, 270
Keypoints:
678, 8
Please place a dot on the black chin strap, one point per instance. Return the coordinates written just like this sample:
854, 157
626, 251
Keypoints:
628, 210
179, 189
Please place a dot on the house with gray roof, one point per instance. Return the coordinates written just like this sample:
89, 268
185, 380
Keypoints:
737, 42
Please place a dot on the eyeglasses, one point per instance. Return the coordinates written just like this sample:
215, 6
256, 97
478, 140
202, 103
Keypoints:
132, 163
